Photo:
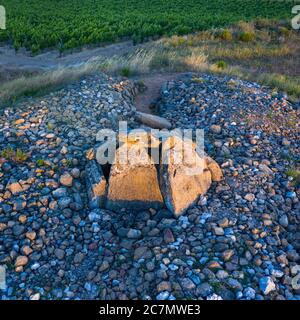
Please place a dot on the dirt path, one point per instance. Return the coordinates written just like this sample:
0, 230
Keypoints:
146, 100
51, 59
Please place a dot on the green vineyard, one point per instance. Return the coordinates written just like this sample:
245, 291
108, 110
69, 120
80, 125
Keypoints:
66, 24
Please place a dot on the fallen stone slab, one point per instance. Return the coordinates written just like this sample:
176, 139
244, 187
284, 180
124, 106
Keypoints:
182, 179
133, 184
96, 184
153, 121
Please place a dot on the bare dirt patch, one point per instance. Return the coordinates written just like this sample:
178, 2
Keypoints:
146, 100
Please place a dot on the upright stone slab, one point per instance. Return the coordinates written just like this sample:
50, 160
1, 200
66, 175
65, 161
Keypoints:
184, 176
96, 184
134, 184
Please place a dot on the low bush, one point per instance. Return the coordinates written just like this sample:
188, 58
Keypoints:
246, 36
225, 35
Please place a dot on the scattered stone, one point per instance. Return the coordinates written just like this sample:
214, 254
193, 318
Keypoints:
163, 295
264, 168
66, 180
36, 296
133, 234
19, 204
59, 253
250, 197
75, 172
249, 293
64, 150
283, 220
204, 290
164, 286
223, 223
15, 188
187, 284
21, 261
219, 231
142, 252
285, 142
31, 235
227, 254
216, 129
60, 193
104, 266
18, 230
168, 236
64, 203
96, 185
267, 285
214, 297
78, 258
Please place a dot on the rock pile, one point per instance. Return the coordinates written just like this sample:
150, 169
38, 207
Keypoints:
239, 241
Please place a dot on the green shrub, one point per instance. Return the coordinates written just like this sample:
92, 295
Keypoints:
40, 162
247, 36
20, 156
295, 175
125, 72
7, 153
283, 31
225, 35
221, 64
15, 155
50, 126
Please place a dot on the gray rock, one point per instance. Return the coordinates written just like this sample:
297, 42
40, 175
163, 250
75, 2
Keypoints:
249, 293
18, 230
216, 129
163, 295
204, 290
6, 208
66, 180
133, 234
164, 286
64, 202
284, 221
266, 285
234, 284
60, 193
96, 184
19, 204
187, 284
59, 253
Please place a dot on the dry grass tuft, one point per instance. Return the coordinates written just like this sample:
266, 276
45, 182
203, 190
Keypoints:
25, 86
